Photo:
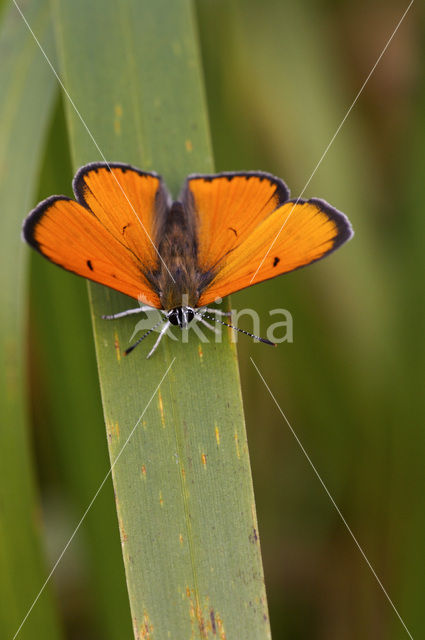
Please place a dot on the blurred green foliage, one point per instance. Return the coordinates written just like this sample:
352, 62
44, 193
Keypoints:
280, 77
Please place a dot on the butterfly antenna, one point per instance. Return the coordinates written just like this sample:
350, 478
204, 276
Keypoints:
145, 335
247, 333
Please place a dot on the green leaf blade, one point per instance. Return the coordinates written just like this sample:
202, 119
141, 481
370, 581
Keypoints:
182, 481
27, 91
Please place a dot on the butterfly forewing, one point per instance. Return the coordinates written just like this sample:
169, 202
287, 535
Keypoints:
128, 202
108, 235
228, 207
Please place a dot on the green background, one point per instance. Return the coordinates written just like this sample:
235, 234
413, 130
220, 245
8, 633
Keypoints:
280, 77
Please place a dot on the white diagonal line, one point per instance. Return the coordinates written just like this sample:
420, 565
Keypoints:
332, 500
334, 136
90, 133
91, 504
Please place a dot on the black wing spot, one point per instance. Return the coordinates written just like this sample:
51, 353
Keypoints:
125, 227
234, 231
276, 261
90, 266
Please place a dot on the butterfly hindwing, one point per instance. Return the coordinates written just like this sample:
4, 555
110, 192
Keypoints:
107, 236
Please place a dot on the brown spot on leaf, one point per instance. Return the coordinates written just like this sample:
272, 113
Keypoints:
253, 536
201, 622
236, 437
161, 408
213, 625
123, 534
117, 119
146, 628
117, 347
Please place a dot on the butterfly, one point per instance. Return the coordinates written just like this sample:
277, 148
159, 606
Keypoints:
225, 232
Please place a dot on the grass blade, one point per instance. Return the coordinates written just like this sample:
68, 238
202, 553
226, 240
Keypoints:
73, 450
183, 485
26, 96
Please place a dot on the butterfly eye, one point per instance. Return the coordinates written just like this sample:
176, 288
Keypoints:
175, 317
181, 316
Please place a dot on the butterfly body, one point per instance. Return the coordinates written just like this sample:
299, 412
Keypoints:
179, 277
225, 232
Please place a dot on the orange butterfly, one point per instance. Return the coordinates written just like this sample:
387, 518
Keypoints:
226, 232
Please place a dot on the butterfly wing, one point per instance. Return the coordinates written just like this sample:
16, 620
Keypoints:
227, 207
107, 235
271, 234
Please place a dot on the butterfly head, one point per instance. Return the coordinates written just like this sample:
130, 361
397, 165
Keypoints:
181, 316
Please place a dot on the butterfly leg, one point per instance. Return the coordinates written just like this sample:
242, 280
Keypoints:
161, 333
129, 312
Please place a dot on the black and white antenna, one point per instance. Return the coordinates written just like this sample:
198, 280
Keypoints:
247, 333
